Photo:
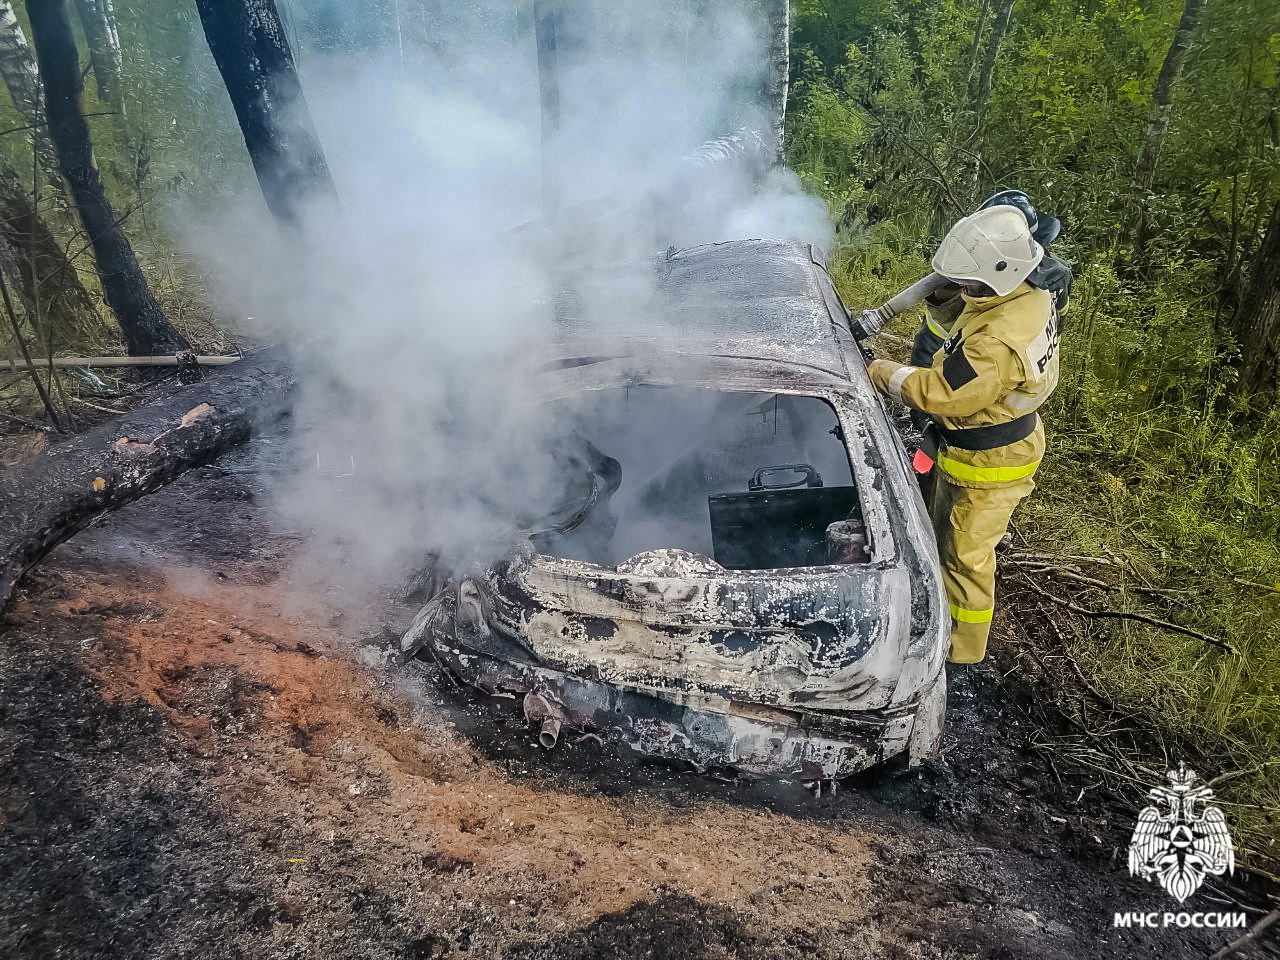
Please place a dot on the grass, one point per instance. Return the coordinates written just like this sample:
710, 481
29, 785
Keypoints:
1147, 464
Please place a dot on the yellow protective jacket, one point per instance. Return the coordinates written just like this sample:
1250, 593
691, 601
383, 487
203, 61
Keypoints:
999, 364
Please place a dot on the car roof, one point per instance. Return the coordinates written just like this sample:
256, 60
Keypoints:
767, 300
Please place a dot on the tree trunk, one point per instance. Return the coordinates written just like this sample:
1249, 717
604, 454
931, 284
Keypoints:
47, 281
17, 65
433, 24
39, 261
778, 80
980, 23
22, 80
249, 45
51, 498
982, 90
98, 19
1160, 114
986, 77
1256, 323
547, 27
145, 327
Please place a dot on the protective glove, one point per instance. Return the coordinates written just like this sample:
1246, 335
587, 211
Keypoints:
880, 371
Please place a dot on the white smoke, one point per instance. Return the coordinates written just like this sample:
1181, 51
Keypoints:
411, 304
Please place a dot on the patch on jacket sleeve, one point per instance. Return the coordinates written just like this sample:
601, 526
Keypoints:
1042, 352
957, 370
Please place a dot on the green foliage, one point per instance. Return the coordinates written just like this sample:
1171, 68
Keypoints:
828, 134
1148, 459
1066, 112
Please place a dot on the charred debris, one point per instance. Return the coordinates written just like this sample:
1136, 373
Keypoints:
732, 570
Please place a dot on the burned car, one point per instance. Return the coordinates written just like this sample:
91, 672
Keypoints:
742, 574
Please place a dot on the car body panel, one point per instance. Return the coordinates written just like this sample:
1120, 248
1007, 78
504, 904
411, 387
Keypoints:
819, 670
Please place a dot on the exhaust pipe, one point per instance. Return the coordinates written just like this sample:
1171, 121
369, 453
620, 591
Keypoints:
550, 732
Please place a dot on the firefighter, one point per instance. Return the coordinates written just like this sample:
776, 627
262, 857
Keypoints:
944, 304
982, 390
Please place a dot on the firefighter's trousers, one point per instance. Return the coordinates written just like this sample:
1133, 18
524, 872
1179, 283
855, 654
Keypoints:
969, 523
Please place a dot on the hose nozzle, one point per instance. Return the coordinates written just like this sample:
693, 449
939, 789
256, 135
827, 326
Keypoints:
868, 322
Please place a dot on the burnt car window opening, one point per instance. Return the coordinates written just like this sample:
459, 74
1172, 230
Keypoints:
755, 481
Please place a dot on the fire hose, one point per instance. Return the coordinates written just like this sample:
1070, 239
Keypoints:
868, 322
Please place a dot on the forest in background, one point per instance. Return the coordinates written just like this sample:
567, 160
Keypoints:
903, 116
1162, 460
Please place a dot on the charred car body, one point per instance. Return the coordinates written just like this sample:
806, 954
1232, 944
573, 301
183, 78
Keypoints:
742, 574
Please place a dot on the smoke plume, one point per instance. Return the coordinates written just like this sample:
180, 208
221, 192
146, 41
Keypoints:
413, 304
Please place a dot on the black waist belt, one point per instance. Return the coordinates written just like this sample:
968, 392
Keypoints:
988, 438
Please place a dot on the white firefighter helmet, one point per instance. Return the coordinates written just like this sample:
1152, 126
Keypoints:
993, 246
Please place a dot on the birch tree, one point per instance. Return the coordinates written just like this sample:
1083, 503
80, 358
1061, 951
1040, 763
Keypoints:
990, 56
21, 78
1160, 114
981, 90
145, 327
547, 27
17, 65
48, 284
777, 82
98, 20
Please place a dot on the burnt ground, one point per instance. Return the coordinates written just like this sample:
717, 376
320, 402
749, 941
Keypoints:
206, 752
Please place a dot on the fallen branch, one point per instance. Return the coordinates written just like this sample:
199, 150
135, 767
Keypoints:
1079, 578
1135, 617
1093, 691
1252, 583
26, 422
52, 497
1039, 563
1251, 935
96, 406
894, 338
1055, 558
160, 361
1164, 591
1129, 562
